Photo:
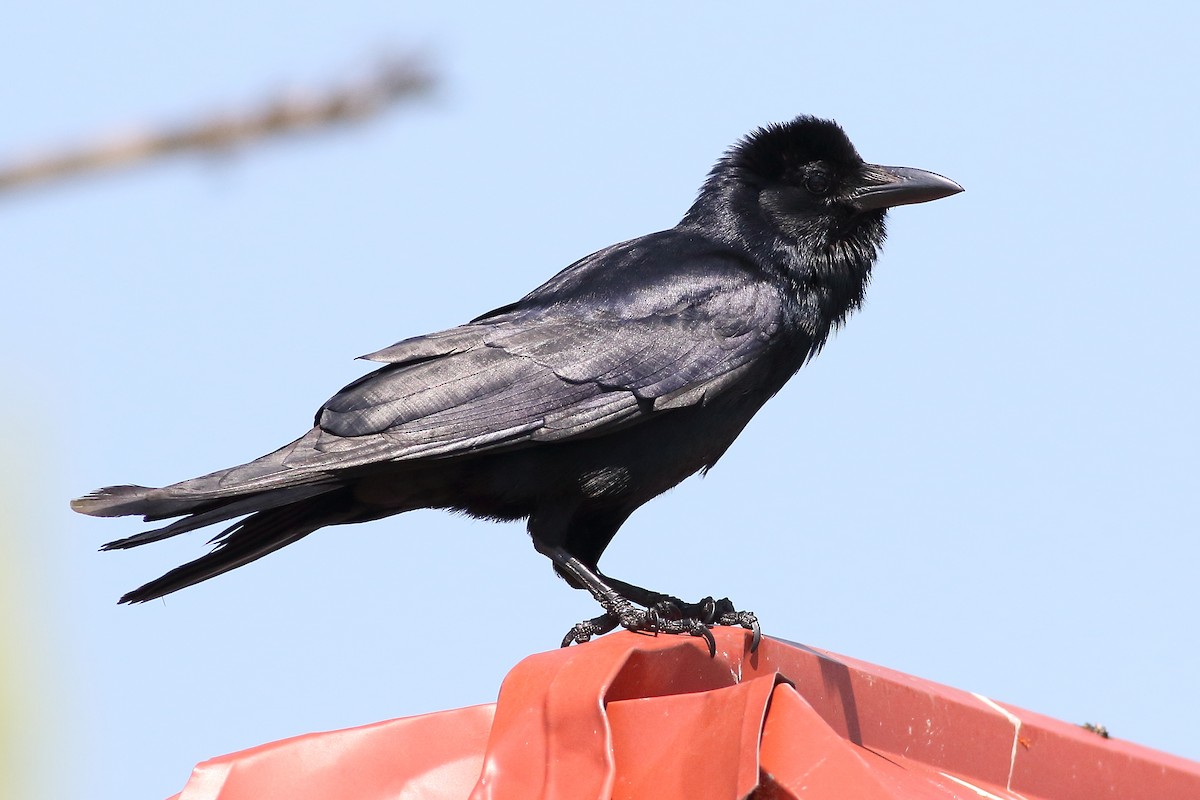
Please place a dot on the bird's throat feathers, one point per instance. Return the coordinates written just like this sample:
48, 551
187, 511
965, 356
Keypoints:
822, 250
830, 282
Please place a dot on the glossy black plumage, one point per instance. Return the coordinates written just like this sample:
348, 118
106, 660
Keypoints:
630, 370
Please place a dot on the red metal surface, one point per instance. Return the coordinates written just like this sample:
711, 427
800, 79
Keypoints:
633, 716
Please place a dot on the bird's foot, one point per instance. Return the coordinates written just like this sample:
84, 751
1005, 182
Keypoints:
711, 612
667, 615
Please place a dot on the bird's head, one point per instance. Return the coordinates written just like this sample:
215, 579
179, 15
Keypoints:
798, 197
802, 184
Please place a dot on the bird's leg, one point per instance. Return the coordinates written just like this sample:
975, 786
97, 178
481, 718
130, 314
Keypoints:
621, 610
618, 610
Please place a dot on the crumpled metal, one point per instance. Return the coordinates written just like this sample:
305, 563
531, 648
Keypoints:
636, 716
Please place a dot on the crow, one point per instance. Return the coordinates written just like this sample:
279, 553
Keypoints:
628, 371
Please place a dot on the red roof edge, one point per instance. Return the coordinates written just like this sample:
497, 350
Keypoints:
633, 716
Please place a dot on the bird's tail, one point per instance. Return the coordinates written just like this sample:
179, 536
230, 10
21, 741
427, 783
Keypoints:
287, 474
284, 504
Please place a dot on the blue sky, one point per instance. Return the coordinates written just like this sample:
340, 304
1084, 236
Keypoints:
988, 478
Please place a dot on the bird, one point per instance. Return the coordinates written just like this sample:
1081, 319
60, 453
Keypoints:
630, 370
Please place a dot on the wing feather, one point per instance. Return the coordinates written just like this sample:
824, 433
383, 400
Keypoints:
545, 372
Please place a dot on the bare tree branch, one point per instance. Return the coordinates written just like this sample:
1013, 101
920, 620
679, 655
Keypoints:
391, 82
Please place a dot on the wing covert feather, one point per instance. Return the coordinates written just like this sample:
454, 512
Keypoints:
550, 371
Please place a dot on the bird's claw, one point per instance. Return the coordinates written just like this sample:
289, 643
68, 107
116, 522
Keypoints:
584, 631
725, 614
617, 612
744, 619
712, 612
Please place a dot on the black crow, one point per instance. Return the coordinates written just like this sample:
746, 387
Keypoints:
625, 373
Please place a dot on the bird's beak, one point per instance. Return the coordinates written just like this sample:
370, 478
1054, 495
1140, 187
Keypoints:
884, 187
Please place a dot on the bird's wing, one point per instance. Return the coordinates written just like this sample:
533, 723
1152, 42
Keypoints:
556, 374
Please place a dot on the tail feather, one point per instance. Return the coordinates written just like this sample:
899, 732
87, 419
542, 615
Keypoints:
235, 507
286, 468
250, 539
156, 504
113, 501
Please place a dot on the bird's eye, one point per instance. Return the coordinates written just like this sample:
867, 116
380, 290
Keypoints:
818, 181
